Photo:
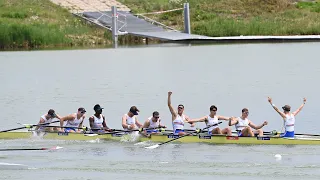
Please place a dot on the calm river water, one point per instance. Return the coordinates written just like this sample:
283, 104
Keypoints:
229, 76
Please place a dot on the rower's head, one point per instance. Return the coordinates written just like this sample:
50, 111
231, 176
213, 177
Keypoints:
156, 115
52, 113
245, 112
180, 108
133, 111
286, 108
98, 109
81, 111
213, 110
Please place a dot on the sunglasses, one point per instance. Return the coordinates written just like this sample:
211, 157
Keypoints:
214, 110
82, 112
180, 107
246, 112
157, 117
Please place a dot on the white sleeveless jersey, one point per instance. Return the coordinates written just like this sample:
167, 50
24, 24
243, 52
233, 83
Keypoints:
130, 120
178, 123
97, 123
242, 123
41, 128
74, 123
289, 122
212, 121
153, 124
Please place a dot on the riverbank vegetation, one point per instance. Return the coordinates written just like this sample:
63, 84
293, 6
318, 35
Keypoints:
40, 23
236, 17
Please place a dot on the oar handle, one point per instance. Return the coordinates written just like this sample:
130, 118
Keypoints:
190, 133
27, 126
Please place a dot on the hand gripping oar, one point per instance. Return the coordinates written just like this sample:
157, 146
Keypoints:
27, 126
32, 149
140, 130
197, 131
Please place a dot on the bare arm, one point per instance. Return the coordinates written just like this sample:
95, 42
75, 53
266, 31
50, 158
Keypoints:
91, 122
138, 123
173, 113
257, 127
41, 121
146, 124
300, 108
224, 118
124, 122
104, 123
275, 108
66, 118
233, 121
202, 119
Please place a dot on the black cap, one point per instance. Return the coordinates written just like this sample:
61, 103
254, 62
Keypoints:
97, 107
134, 110
82, 109
52, 113
286, 108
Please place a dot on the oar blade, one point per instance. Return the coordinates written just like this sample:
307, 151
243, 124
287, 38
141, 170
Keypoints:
152, 147
57, 147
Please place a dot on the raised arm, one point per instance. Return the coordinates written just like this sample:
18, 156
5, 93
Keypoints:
257, 127
233, 121
275, 108
173, 113
202, 119
300, 108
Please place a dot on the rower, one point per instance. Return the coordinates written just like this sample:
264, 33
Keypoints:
288, 118
178, 118
47, 118
243, 125
130, 120
74, 121
153, 122
211, 119
98, 121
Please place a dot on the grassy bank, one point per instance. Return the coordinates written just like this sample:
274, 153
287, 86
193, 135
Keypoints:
237, 17
40, 23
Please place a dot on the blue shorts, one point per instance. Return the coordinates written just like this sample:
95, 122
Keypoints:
240, 133
152, 131
287, 134
69, 129
176, 132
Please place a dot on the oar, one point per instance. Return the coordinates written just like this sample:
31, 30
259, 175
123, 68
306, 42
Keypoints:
308, 134
157, 145
27, 126
32, 149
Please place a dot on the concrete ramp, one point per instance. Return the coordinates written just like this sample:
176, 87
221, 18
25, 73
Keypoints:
129, 23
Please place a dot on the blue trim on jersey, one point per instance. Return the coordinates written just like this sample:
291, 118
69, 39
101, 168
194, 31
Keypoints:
287, 134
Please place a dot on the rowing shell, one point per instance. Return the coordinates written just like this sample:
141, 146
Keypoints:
200, 138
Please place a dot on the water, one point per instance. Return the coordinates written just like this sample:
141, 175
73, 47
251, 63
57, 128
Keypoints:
230, 76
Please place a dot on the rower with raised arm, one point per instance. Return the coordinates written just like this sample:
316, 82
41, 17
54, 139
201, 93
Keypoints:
288, 118
47, 118
211, 119
153, 122
74, 121
98, 121
178, 118
243, 125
